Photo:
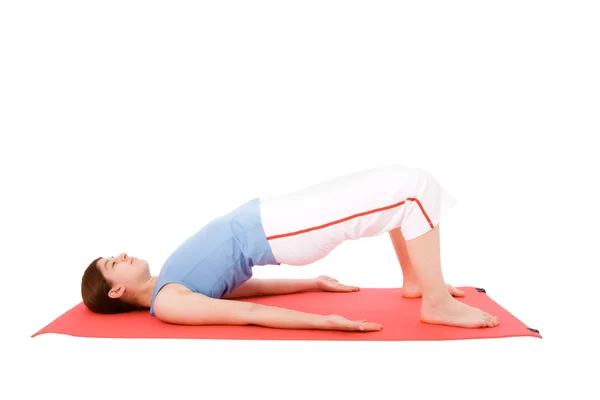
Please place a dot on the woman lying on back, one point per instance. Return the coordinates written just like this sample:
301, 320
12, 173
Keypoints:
202, 280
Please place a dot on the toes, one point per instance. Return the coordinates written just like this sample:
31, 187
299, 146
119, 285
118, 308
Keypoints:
454, 291
486, 320
490, 317
491, 320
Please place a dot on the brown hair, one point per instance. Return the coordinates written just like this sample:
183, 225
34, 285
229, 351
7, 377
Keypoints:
94, 291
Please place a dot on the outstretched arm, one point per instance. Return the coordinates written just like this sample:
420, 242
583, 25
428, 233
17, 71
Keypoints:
183, 307
265, 287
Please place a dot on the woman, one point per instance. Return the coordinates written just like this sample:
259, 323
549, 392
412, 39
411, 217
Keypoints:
201, 280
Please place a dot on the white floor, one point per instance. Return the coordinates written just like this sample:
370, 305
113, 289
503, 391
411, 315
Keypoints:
130, 125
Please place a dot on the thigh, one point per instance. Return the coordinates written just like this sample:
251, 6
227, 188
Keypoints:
306, 225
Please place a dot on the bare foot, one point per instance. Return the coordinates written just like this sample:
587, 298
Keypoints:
411, 290
454, 313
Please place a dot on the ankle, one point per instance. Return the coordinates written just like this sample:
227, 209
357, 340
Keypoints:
436, 298
410, 283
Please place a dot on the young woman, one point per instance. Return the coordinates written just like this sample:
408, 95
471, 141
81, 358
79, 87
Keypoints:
201, 280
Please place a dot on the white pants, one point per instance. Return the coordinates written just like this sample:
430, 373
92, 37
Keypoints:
304, 226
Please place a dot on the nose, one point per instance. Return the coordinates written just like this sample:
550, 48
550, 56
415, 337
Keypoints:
126, 257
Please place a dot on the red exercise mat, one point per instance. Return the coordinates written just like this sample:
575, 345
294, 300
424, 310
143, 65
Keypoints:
398, 316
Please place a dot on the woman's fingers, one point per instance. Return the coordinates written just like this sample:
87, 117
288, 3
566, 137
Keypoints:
347, 288
329, 284
366, 326
363, 326
337, 322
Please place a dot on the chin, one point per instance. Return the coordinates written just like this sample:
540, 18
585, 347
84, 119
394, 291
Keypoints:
143, 266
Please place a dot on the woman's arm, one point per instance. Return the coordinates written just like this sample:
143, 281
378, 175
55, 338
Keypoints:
189, 308
265, 287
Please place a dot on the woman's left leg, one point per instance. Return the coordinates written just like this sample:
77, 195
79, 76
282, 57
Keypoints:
410, 284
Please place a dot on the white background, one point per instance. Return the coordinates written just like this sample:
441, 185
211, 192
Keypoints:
128, 125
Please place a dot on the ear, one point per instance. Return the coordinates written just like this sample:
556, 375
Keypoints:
116, 292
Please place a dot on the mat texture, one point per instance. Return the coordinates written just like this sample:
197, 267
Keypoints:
398, 316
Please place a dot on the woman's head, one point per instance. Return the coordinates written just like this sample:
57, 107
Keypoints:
110, 285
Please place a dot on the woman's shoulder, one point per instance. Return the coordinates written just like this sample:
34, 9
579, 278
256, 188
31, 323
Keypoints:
176, 303
172, 289
168, 295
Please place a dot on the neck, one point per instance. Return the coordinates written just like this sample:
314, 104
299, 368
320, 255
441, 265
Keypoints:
143, 296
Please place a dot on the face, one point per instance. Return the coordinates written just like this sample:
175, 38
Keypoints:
126, 273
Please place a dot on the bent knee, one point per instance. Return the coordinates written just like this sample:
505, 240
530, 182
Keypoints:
424, 180
420, 174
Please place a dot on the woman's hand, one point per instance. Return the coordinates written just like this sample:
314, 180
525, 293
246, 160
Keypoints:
339, 323
328, 284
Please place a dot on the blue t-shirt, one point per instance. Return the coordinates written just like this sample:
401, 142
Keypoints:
219, 257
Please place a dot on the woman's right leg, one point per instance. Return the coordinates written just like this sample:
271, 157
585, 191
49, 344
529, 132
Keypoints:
438, 305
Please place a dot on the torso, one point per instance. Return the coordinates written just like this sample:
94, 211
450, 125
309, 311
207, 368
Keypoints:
220, 256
